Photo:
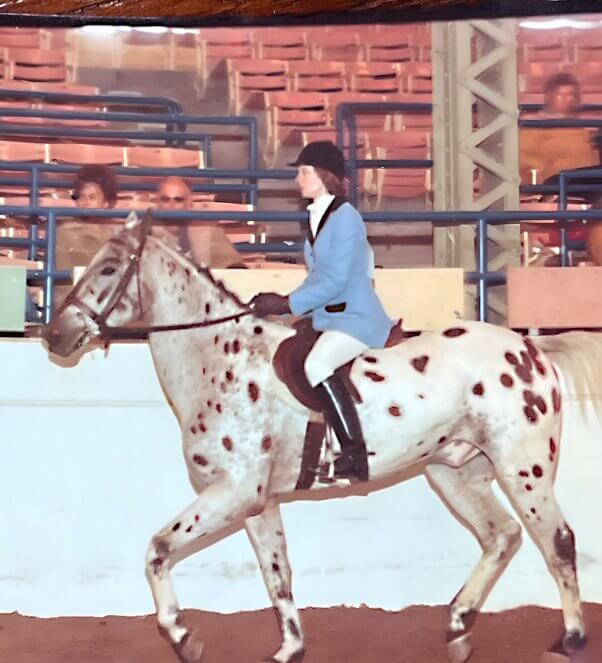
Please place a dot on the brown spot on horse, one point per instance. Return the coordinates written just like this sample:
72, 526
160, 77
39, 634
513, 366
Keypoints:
564, 544
394, 411
375, 377
266, 443
478, 389
236, 346
530, 413
506, 380
555, 400
371, 360
419, 363
227, 442
200, 460
253, 391
537, 471
454, 332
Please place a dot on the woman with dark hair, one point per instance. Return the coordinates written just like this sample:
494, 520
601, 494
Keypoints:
337, 293
78, 240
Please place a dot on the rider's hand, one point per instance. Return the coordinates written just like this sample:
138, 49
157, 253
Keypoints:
269, 303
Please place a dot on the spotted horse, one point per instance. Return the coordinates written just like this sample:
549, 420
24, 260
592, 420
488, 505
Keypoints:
468, 405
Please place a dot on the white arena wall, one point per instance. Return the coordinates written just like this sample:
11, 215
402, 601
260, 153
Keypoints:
91, 467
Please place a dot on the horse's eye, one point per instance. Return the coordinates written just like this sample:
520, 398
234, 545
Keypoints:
107, 271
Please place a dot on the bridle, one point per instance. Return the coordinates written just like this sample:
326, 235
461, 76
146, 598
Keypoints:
107, 332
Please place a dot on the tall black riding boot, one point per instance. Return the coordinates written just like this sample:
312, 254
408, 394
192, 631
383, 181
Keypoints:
341, 414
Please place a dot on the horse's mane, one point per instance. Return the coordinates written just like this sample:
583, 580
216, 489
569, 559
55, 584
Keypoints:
578, 355
176, 252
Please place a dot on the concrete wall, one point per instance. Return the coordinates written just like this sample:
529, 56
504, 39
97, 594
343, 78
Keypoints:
91, 467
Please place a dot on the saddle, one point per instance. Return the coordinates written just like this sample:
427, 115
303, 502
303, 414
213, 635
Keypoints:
290, 357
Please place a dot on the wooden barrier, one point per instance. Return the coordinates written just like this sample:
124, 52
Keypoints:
554, 297
424, 298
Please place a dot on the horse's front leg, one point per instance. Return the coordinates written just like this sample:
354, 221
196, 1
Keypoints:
267, 537
217, 507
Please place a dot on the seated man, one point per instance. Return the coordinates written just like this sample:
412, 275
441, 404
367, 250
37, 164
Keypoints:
206, 241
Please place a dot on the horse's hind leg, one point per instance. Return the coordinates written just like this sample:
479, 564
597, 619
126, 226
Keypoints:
217, 507
267, 537
467, 492
527, 476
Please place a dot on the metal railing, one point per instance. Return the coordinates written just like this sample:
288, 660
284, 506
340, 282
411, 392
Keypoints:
175, 134
35, 179
482, 277
170, 106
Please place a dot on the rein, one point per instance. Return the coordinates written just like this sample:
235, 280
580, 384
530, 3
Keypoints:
107, 331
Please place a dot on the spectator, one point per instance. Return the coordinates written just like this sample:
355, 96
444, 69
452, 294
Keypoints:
78, 240
545, 152
562, 95
206, 241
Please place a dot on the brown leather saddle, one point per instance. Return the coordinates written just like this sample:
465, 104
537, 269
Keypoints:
290, 357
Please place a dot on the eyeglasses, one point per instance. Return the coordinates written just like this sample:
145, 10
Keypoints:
174, 199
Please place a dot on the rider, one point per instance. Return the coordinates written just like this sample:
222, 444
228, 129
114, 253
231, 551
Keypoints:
339, 295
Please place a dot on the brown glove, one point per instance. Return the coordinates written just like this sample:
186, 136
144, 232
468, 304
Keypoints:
269, 303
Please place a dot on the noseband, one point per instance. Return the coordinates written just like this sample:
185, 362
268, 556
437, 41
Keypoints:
107, 332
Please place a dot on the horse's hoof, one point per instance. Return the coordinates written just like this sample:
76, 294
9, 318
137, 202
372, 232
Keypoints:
561, 651
459, 649
190, 648
574, 641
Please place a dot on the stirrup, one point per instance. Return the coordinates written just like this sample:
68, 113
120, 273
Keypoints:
354, 468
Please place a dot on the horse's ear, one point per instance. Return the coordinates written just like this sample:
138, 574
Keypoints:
139, 227
132, 220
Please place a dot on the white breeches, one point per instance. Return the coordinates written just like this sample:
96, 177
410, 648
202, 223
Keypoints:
332, 350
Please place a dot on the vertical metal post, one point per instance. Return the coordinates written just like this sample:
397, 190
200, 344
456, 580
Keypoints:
32, 249
253, 159
50, 266
563, 194
354, 189
35, 186
340, 121
482, 269
207, 150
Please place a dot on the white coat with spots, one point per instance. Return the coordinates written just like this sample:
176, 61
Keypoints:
469, 404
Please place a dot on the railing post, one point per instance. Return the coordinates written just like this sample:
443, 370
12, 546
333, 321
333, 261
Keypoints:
563, 202
50, 266
253, 147
35, 186
354, 189
482, 269
340, 121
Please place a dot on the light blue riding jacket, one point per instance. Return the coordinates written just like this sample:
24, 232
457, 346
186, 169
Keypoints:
338, 264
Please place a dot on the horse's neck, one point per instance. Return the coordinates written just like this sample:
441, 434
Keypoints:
187, 360
175, 292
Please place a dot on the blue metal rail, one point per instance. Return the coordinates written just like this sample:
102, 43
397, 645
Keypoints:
481, 277
176, 132
171, 106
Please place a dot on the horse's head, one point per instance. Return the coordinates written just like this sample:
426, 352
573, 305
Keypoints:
108, 292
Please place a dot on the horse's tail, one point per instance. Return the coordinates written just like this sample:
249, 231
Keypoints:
578, 358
